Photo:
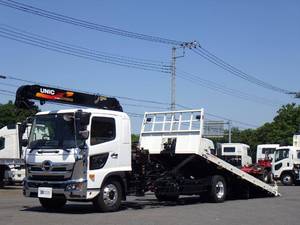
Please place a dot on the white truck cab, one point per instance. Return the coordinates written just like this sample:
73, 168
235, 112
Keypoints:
237, 154
11, 153
286, 165
53, 152
265, 151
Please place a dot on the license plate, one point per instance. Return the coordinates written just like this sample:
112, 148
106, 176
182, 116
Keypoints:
44, 192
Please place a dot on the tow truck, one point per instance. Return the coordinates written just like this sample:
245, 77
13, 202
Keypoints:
85, 154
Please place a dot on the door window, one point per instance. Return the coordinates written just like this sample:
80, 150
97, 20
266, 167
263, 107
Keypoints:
103, 129
229, 149
281, 154
2, 143
298, 154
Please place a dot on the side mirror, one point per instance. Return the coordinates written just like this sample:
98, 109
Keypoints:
83, 117
84, 134
24, 142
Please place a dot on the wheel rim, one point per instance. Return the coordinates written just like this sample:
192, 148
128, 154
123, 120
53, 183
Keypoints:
265, 178
220, 190
110, 194
287, 179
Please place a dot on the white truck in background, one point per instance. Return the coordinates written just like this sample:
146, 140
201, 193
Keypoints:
237, 154
86, 155
265, 152
12, 167
286, 163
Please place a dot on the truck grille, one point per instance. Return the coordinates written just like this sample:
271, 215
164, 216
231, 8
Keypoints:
57, 172
47, 178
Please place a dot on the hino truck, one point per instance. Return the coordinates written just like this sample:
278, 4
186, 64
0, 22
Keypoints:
286, 163
12, 168
85, 154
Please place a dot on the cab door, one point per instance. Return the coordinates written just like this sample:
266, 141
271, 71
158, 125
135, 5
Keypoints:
103, 148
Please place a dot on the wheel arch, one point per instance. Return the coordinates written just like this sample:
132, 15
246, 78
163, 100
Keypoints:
121, 178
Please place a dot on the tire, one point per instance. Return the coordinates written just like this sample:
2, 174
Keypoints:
161, 198
53, 203
218, 189
287, 179
109, 198
264, 176
270, 179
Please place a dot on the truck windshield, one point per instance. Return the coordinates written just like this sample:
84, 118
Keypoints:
281, 154
268, 150
52, 131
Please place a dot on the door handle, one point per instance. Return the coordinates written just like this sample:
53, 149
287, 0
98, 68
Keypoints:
114, 155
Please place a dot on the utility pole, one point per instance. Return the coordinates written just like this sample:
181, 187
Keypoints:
173, 80
184, 45
229, 131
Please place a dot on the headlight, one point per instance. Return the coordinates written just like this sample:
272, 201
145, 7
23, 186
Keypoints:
75, 187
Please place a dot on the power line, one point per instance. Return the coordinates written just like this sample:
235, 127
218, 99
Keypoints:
7, 91
222, 117
236, 72
86, 24
102, 28
196, 80
126, 98
6, 94
50, 44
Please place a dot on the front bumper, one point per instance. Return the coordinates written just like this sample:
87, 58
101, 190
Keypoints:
70, 189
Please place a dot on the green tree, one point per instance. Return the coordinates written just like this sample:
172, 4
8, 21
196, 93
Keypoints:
134, 138
10, 114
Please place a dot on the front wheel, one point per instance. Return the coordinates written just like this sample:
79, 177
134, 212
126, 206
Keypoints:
52, 203
218, 189
109, 198
287, 179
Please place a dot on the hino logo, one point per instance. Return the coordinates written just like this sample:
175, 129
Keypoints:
46, 165
47, 91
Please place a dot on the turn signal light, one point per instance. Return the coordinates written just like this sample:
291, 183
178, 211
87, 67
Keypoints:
92, 177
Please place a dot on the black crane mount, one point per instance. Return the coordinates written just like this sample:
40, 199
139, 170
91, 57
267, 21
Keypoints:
25, 94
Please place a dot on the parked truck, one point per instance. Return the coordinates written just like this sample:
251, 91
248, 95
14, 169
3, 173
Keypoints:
239, 155
236, 154
286, 163
85, 154
265, 152
12, 167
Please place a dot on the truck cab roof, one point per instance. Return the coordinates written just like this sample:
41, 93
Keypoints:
89, 110
234, 145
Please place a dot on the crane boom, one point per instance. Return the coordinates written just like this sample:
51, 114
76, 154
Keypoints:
26, 93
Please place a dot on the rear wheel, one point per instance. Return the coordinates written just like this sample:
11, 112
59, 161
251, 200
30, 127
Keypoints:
287, 179
53, 203
109, 198
218, 190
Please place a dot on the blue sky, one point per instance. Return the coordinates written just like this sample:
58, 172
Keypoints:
258, 37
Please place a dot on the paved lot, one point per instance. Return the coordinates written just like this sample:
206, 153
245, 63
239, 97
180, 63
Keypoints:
285, 210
